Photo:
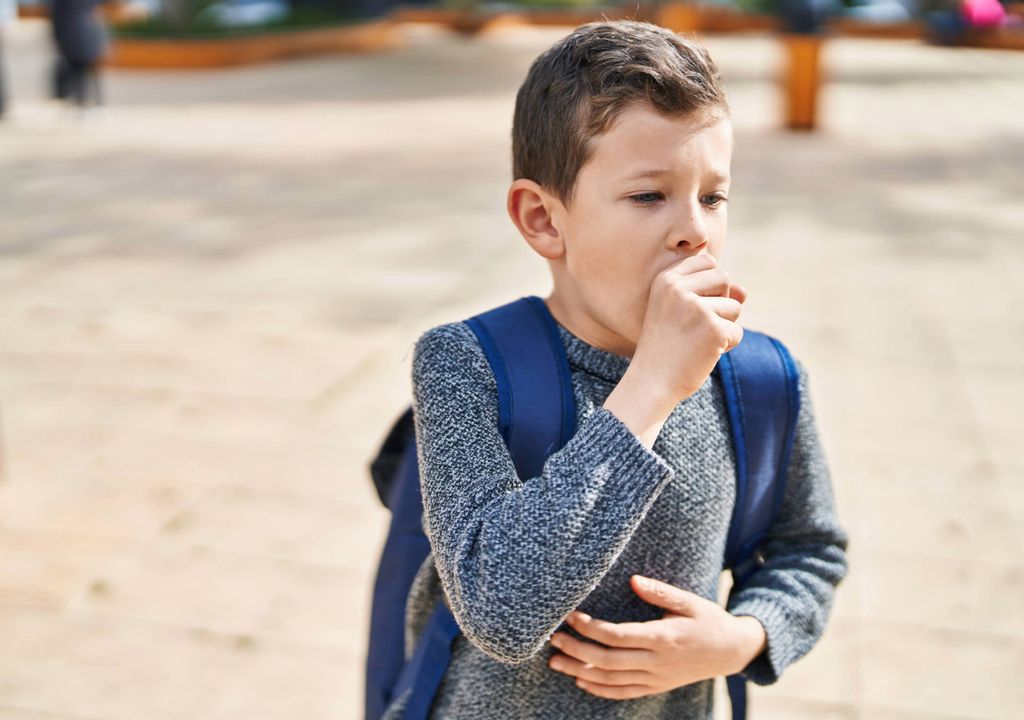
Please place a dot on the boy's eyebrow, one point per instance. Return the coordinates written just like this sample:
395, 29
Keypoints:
658, 172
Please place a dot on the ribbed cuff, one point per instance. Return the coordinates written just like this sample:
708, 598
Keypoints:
766, 668
604, 428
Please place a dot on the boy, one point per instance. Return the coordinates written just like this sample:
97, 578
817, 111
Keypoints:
621, 153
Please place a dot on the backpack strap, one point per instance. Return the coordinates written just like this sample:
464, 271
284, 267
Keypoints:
425, 670
761, 385
536, 406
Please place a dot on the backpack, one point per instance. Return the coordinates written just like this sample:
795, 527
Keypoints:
522, 344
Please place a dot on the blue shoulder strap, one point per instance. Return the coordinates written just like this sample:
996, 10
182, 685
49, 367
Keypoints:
536, 407
761, 385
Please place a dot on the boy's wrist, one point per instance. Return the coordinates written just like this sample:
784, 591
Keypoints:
750, 640
640, 406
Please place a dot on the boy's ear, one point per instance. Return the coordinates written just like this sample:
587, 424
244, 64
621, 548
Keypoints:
532, 209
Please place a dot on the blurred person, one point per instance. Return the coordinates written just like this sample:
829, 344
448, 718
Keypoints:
8, 13
806, 17
944, 23
590, 590
983, 13
952, 22
82, 42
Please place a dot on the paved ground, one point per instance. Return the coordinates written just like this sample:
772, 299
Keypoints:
207, 304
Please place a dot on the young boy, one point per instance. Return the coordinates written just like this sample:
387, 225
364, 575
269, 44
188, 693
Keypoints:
621, 147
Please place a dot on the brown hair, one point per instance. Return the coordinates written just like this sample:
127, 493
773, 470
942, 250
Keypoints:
575, 89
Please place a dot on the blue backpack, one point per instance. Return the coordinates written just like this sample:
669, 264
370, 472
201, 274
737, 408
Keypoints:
526, 354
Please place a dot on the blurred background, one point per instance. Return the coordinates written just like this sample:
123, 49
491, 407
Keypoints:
223, 225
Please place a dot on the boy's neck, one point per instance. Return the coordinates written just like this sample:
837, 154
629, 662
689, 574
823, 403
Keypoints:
579, 323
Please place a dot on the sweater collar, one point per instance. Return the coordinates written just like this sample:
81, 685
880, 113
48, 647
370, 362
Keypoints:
602, 363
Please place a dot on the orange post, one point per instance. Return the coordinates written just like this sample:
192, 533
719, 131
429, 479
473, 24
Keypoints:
802, 80
680, 17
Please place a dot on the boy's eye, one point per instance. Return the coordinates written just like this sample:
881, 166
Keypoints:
638, 198
717, 200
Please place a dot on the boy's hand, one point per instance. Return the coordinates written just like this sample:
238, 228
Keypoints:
691, 319
695, 640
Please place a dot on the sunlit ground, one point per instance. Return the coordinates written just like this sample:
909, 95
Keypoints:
208, 298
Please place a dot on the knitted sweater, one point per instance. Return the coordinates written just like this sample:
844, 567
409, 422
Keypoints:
512, 559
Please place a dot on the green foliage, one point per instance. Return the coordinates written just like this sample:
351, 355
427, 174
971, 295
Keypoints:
763, 7
561, 3
527, 4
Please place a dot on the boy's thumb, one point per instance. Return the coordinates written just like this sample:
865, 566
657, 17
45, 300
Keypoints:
663, 595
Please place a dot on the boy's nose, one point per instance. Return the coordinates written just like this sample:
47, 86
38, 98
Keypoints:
691, 243
691, 236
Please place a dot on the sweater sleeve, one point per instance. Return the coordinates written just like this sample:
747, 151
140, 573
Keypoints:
516, 557
804, 557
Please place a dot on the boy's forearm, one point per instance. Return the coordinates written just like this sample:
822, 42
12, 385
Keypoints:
641, 406
515, 566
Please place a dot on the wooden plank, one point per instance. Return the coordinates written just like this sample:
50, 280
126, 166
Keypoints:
188, 53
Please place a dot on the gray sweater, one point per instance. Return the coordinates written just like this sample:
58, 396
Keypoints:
513, 559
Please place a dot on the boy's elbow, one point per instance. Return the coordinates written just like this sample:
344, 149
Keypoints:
835, 554
502, 638
497, 614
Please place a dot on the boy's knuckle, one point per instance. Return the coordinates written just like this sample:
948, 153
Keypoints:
708, 315
615, 662
649, 661
671, 279
706, 260
686, 297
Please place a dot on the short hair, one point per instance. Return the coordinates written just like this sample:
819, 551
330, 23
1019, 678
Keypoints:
574, 90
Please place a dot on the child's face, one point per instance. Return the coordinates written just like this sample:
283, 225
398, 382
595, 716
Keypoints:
622, 230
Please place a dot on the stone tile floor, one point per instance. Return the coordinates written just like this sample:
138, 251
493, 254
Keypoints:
208, 298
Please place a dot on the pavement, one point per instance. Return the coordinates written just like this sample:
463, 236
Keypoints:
209, 294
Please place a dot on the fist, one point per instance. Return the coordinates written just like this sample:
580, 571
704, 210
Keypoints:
691, 319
